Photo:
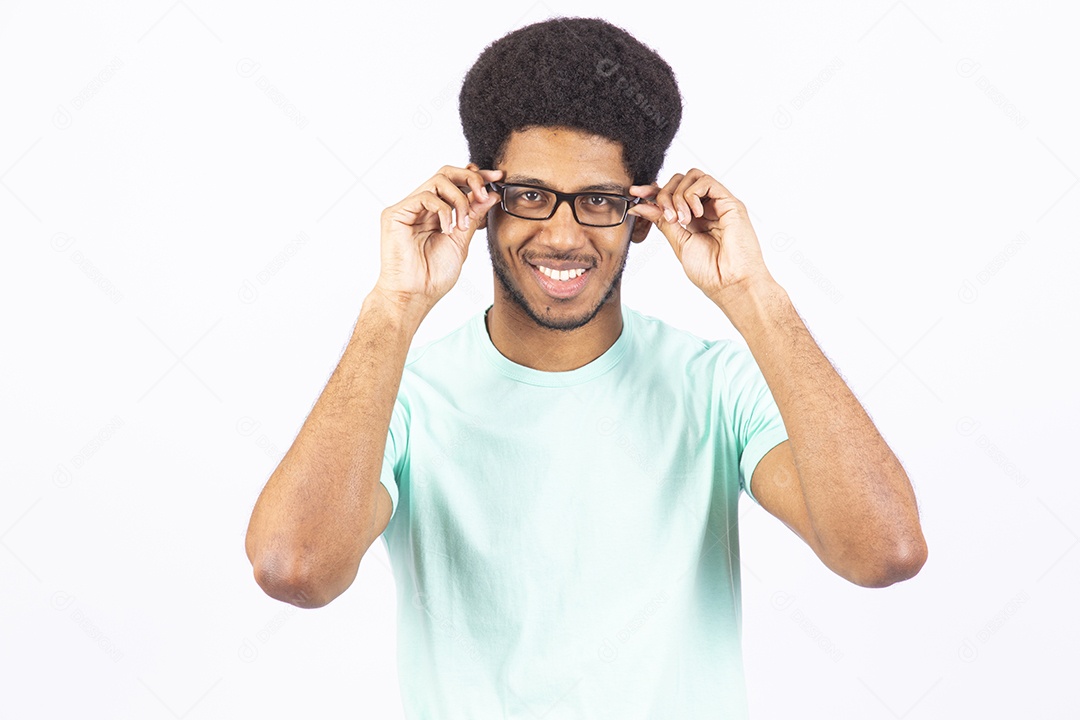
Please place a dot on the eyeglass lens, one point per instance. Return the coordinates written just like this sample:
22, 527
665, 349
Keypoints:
536, 204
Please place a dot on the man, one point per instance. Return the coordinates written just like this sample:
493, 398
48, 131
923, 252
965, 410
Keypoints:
557, 481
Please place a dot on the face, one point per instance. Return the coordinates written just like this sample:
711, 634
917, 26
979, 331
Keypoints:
569, 161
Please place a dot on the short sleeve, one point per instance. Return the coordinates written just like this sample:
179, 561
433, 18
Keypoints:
393, 454
750, 411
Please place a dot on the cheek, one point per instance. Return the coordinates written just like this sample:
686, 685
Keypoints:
501, 235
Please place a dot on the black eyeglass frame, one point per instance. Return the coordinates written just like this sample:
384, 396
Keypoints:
560, 197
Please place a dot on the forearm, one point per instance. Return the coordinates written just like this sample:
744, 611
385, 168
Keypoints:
859, 500
315, 518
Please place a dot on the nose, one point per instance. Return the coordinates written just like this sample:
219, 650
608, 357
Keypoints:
561, 231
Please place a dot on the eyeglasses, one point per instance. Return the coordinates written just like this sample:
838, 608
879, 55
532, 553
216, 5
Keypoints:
592, 209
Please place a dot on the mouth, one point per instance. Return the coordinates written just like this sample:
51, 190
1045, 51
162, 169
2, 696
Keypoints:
551, 280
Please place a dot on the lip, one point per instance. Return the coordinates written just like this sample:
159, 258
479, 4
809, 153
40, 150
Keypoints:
557, 288
556, 265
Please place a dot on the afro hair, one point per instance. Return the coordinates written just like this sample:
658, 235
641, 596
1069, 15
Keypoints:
581, 73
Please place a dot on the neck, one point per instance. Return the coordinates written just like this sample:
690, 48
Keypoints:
518, 338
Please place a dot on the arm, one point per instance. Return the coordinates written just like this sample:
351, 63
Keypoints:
324, 506
834, 481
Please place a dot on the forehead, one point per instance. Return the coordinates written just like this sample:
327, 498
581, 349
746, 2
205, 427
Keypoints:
564, 159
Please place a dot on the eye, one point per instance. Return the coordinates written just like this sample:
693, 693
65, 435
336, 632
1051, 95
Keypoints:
597, 201
525, 195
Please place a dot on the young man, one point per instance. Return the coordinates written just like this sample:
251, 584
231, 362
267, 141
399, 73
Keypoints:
557, 481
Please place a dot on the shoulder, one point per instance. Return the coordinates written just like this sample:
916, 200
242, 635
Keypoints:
436, 352
663, 340
445, 366
664, 350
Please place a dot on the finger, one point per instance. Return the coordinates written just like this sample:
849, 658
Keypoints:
466, 181
664, 200
704, 188
719, 192
479, 180
644, 191
471, 181
679, 200
461, 232
487, 198
422, 207
649, 211
676, 234
451, 192
480, 207
416, 210
475, 189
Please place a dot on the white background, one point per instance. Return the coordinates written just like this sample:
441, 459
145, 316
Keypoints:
189, 201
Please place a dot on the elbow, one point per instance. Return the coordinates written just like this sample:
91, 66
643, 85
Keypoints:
904, 563
288, 581
283, 574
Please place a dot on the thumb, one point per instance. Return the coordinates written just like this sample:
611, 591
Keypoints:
478, 210
675, 233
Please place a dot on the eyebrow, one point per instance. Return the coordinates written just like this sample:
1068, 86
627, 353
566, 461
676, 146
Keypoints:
600, 187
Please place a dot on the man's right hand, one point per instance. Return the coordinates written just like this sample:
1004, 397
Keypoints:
422, 248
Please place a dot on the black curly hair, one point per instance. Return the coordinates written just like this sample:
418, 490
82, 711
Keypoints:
582, 73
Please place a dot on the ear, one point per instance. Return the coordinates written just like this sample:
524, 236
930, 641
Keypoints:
641, 228
482, 221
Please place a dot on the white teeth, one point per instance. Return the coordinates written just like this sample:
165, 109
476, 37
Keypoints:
561, 274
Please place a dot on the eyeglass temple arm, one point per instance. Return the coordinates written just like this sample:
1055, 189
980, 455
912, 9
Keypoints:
490, 187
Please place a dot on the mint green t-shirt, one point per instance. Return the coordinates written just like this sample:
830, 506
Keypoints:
565, 544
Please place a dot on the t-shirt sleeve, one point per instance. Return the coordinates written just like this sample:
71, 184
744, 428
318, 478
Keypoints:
751, 411
394, 453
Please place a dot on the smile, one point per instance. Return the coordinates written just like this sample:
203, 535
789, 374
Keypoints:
561, 274
560, 284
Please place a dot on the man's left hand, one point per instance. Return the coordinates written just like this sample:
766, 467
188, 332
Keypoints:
709, 230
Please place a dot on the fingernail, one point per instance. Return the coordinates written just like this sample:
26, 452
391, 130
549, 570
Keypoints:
468, 221
669, 214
